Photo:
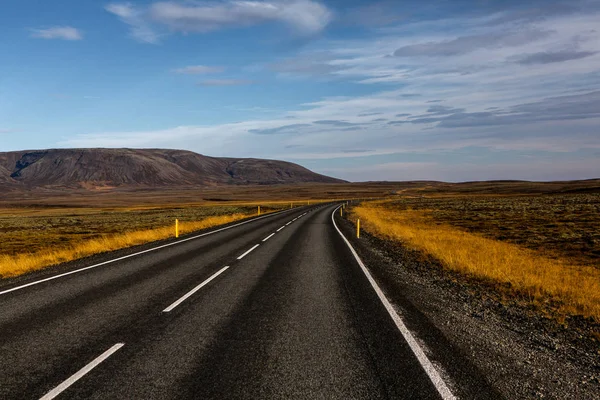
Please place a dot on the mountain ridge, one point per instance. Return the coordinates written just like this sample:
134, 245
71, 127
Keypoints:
103, 167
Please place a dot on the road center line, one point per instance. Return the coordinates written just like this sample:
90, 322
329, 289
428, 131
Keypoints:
82, 372
288, 223
194, 290
268, 237
248, 252
136, 254
280, 228
430, 370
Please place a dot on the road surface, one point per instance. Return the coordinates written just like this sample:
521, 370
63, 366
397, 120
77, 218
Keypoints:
277, 307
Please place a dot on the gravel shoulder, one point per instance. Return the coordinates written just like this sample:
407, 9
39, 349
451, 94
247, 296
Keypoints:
520, 353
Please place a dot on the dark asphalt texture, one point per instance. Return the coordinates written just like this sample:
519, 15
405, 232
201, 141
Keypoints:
295, 318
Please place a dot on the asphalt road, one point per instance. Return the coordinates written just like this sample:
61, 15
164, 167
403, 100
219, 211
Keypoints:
296, 317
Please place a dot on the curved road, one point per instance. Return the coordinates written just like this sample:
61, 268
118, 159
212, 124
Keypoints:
213, 317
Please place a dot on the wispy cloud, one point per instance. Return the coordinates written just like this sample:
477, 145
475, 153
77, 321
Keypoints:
468, 44
337, 123
199, 70
548, 57
305, 17
508, 81
58, 32
140, 29
465, 171
443, 110
392, 171
563, 108
225, 82
279, 130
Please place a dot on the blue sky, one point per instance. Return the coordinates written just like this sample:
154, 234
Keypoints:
363, 90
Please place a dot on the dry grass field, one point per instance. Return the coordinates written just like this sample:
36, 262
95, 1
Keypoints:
34, 238
561, 226
543, 248
44, 227
29, 230
46, 198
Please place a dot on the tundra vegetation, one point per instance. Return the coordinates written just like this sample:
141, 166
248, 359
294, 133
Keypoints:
49, 226
540, 249
34, 238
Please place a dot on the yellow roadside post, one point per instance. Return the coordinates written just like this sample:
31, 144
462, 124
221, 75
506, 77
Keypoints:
176, 228
258, 210
341, 214
358, 228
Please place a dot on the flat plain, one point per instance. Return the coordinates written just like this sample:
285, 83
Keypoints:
538, 338
541, 250
557, 219
558, 225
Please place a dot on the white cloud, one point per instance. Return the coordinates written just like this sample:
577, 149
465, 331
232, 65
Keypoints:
486, 97
305, 17
141, 30
307, 139
123, 10
58, 32
446, 54
198, 70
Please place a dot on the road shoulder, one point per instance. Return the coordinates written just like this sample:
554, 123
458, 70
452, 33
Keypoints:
521, 354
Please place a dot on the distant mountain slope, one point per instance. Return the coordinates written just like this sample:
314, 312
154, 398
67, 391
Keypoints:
145, 167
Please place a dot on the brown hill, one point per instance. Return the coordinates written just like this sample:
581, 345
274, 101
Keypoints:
144, 167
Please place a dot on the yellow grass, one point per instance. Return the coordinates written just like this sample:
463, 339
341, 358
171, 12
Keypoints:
20, 264
563, 287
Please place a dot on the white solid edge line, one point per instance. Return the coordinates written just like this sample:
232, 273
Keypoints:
430, 370
280, 228
134, 254
81, 373
194, 290
248, 252
268, 237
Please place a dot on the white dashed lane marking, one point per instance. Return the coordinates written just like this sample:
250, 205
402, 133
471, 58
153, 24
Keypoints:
268, 237
248, 252
194, 290
81, 373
